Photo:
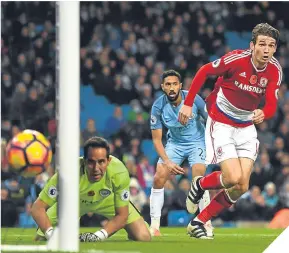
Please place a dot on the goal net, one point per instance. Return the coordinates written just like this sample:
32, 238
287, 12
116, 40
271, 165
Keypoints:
65, 237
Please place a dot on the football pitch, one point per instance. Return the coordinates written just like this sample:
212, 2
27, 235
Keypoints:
174, 240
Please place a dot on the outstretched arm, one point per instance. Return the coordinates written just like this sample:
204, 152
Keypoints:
38, 212
119, 220
216, 68
46, 199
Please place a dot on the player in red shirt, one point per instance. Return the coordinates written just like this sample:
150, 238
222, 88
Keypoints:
231, 137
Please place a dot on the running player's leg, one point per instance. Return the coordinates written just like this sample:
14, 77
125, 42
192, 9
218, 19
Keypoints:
198, 170
157, 192
136, 228
196, 158
247, 149
221, 201
220, 148
197, 163
157, 197
248, 152
239, 189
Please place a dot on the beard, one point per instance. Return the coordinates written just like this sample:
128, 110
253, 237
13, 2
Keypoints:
173, 99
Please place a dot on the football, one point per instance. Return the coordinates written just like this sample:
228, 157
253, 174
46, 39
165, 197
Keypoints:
29, 153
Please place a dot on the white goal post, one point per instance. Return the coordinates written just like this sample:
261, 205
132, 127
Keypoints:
65, 238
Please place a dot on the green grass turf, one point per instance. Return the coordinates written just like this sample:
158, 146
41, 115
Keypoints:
174, 240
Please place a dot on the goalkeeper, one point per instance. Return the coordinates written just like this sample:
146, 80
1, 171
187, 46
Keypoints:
103, 189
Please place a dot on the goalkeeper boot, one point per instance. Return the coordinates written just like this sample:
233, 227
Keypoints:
197, 230
194, 196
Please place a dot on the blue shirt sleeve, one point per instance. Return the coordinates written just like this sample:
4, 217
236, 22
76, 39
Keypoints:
155, 121
201, 105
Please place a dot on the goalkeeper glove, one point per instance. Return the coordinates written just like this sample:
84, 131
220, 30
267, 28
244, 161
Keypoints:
93, 237
88, 237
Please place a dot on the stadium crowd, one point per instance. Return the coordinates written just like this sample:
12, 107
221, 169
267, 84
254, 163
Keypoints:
125, 47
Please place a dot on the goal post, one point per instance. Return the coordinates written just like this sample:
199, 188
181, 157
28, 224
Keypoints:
65, 238
68, 128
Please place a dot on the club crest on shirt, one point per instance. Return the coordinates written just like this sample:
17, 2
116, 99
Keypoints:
104, 192
263, 82
253, 79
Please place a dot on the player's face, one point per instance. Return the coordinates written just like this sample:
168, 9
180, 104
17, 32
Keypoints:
96, 163
264, 49
172, 87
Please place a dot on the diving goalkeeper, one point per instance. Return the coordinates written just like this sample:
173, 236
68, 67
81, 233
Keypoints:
103, 189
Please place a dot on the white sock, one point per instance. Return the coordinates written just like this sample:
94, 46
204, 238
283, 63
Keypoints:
156, 205
205, 200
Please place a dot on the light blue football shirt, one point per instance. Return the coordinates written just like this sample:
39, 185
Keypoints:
163, 113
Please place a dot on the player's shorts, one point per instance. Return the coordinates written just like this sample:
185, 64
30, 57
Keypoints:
224, 142
177, 153
133, 215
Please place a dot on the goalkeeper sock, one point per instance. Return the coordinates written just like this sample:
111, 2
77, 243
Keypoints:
212, 181
220, 202
156, 205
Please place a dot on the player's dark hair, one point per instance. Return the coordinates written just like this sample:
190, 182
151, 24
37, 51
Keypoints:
171, 72
266, 30
96, 142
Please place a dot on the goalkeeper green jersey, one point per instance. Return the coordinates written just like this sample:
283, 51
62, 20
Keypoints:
101, 197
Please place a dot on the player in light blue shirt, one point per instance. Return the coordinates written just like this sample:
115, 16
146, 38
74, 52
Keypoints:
183, 142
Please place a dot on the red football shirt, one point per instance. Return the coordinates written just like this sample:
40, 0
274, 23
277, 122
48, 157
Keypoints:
240, 88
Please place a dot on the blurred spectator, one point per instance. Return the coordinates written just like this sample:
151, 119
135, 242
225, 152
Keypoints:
137, 129
118, 148
270, 196
89, 131
17, 192
134, 150
264, 135
285, 195
8, 210
146, 98
6, 129
282, 177
31, 106
180, 194
87, 72
137, 195
130, 165
145, 174
17, 102
251, 205
115, 122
